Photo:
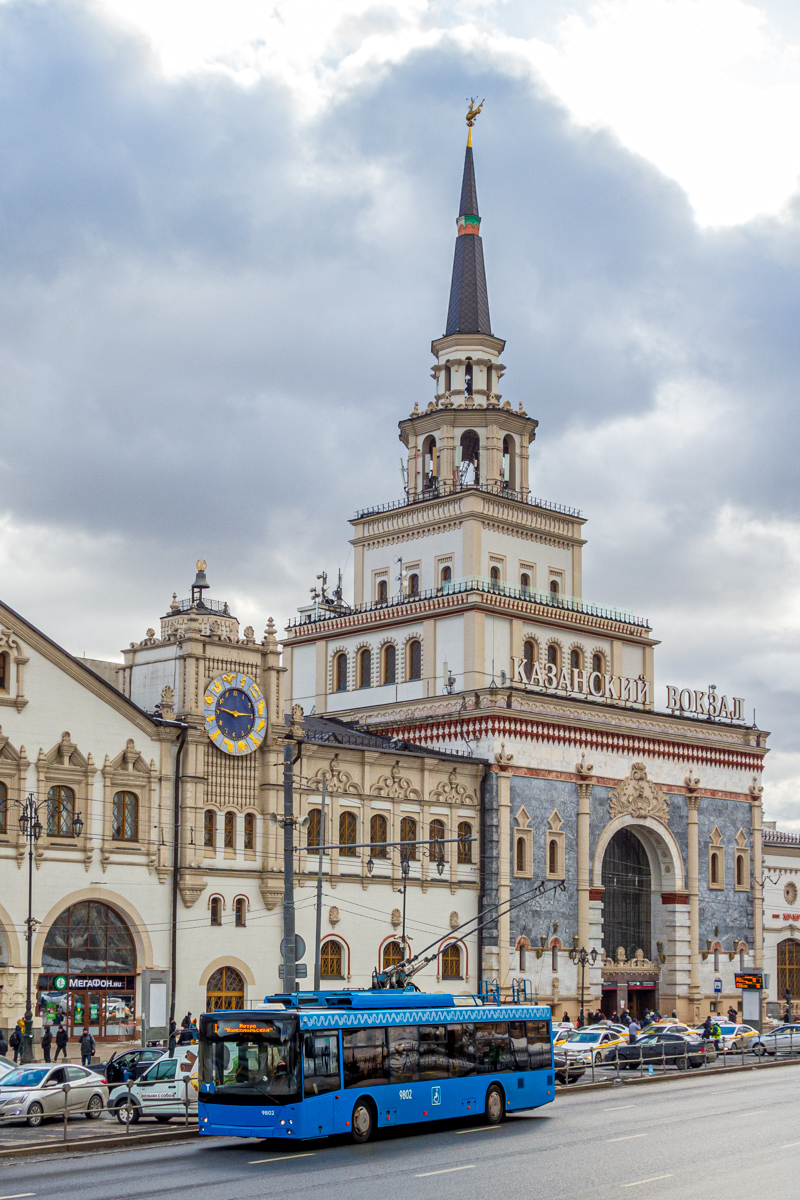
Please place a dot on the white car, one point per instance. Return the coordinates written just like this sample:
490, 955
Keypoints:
734, 1036
590, 1045
785, 1037
160, 1092
37, 1091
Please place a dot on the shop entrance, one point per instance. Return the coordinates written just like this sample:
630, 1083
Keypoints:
641, 998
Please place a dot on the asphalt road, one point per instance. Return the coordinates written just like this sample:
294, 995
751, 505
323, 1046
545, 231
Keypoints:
701, 1139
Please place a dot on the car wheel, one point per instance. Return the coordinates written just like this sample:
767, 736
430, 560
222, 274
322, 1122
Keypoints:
163, 1120
124, 1115
363, 1121
35, 1115
759, 1050
94, 1107
495, 1104
680, 1062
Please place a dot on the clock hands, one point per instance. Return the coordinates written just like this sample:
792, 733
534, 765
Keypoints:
231, 713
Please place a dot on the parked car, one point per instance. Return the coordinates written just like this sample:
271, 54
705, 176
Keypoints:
561, 1033
567, 1070
672, 1049
733, 1036
785, 1037
161, 1091
589, 1045
34, 1093
130, 1064
668, 1027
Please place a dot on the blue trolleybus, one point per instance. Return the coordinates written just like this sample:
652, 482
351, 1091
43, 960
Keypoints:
309, 1065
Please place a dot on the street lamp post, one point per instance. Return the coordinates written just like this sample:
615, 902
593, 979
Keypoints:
32, 829
582, 957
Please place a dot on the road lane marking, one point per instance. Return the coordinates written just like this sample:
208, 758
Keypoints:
18, 1196
789, 1146
652, 1179
446, 1171
254, 1161
617, 1107
482, 1128
627, 1138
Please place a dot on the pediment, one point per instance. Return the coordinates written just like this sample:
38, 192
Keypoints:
129, 759
66, 754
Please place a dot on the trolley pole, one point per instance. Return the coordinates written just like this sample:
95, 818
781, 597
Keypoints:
289, 957
318, 937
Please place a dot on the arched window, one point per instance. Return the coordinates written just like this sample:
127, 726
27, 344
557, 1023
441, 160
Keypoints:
451, 962
554, 957
447, 378
414, 652
553, 656
348, 834
741, 958
740, 870
552, 857
240, 911
60, 811
89, 938
331, 959
494, 576
627, 900
3, 808
509, 463
383, 591
340, 672
365, 668
249, 831
522, 864
229, 828
554, 587
470, 466
714, 867
530, 653
313, 834
522, 955
225, 990
525, 581
789, 968
210, 828
125, 817
468, 377
464, 842
575, 660
408, 833
392, 954
447, 574
437, 834
215, 909
430, 464
390, 663
378, 836
598, 665
413, 584
4, 673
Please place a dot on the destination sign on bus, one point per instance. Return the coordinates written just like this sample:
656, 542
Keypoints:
243, 1027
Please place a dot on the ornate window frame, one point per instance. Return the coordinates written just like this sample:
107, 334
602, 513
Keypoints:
65, 765
555, 836
741, 857
130, 772
13, 772
327, 940
13, 696
716, 849
523, 834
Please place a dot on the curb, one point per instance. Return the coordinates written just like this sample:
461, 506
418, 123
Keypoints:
95, 1144
607, 1084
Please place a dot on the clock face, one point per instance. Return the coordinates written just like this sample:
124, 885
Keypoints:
235, 713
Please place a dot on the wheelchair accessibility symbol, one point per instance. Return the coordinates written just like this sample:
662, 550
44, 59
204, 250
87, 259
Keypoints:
436, 1095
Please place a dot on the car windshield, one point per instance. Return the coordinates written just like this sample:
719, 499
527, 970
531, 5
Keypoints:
25, 1077
584, 1037
248, 1056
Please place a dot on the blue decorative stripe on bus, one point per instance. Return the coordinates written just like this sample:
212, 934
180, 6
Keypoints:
344, 1018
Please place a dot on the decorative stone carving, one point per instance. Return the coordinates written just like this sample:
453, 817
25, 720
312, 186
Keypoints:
333, 916
502, 759
450, 791
633, 966
191, 889
638, 796
454, 921
395, 786
167, 702
790, 892
397, 918
270, 894
339, 782
17, 659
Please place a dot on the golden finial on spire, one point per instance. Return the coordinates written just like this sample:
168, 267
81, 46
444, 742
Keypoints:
472, 115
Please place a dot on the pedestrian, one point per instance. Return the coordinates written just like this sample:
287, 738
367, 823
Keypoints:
187, 1020
3, 1044
173, 1035
674, 1014
716, 1034
733, 1015
633, 1029
185, 1036
62, 1037
87, 1048
15, 1041
625, 1019
565, 1019
47, 1041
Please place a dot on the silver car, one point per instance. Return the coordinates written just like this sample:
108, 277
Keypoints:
785, 1037
36, 1092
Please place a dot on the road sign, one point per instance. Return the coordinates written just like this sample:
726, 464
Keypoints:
299, 947
300, 971
717, 985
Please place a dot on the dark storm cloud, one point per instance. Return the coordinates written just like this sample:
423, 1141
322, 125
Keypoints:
212, 315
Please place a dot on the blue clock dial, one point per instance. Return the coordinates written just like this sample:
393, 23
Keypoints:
235, 714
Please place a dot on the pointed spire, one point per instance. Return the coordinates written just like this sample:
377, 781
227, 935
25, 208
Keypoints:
468, 311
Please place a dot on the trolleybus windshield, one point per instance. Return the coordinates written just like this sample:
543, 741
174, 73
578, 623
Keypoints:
249, 1059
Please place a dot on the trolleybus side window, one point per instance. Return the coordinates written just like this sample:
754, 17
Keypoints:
493, 1051
365, 1059
320, 1063
433, 1060
403, 1053
540, 1049
461, 1050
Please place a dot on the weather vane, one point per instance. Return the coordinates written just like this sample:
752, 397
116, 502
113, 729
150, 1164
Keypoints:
474, 112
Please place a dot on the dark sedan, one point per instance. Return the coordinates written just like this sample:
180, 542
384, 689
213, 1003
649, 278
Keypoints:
567, 1070
672, 1049
130, 1064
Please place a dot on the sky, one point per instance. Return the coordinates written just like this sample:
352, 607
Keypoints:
226, 236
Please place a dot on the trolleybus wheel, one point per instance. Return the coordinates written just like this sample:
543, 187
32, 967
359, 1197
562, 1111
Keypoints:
363, 1122
495, 1104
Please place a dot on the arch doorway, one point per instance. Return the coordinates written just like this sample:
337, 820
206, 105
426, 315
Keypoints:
225, 990
628, 896
88, 975
788, 969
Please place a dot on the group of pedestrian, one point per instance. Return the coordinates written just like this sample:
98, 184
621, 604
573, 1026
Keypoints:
187, 1033
61, 1039
710, 1031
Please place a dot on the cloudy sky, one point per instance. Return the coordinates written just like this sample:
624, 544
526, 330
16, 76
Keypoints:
226, 234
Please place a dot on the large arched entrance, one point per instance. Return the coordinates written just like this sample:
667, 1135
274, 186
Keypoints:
627, 902
789, 969
88, 975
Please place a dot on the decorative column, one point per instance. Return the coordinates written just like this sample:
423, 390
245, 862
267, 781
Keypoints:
693, 806
756, 792
504, 852
584, 786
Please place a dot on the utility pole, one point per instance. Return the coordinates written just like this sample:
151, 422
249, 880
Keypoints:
318, 939
289, 956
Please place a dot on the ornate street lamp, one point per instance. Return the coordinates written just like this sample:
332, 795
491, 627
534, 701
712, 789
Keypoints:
582, 957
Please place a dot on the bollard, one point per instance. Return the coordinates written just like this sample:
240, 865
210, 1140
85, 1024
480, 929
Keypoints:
66, 1088
591, 1055
128, 1106
186, 1099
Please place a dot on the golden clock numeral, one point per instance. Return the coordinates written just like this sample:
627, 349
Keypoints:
261, 708
242, 747
260, 726
228, 746
208, 699
216, 687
